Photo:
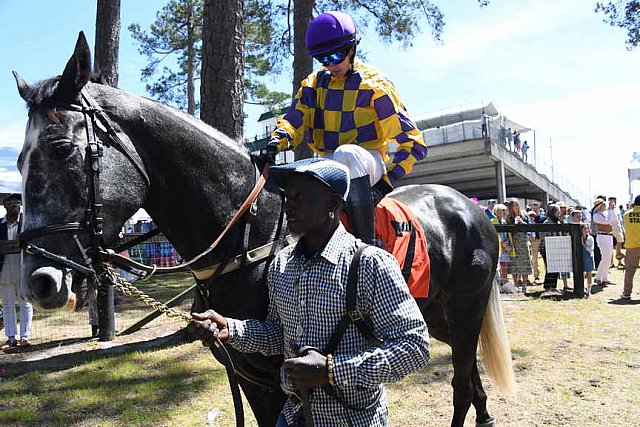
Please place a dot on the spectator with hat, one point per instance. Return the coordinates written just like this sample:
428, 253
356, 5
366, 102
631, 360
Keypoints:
540, 218
564, 218
603, 228
10, 270
596, 249
520, 264
631, 220
575, 215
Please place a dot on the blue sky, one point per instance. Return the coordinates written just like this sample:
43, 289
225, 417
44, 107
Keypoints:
551, 65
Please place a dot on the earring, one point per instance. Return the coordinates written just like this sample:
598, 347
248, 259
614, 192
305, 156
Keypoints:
332, 215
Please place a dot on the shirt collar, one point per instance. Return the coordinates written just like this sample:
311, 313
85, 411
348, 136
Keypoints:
9, 223
333, 248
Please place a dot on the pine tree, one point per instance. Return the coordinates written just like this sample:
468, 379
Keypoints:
623, 14
176, 34
107, 40
223, 66
176, 37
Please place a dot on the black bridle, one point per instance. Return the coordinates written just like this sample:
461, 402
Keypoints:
92, 222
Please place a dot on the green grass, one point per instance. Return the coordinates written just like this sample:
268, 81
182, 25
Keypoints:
136, 389
577, 363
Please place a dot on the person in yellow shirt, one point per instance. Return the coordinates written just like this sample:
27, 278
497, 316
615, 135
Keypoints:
631, 219
349, 112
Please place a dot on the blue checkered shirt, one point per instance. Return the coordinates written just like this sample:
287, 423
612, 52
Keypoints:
307, 299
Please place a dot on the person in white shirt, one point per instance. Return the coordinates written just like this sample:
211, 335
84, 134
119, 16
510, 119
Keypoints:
603, 228
618, 230
10, 278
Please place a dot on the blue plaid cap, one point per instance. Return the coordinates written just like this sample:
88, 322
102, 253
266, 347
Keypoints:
329, 172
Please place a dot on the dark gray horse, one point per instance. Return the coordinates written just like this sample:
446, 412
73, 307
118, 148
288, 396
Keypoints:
191, 179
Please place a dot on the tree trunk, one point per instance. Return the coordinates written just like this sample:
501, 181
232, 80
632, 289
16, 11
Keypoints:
107, 40
302, 63
191, 58
106, 62
221, 88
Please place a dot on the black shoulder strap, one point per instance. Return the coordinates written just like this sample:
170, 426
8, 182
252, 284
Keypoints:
352, 313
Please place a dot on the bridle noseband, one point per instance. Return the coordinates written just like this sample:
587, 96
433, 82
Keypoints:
93, 220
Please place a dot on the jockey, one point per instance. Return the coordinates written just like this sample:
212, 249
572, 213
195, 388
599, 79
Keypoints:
349, 112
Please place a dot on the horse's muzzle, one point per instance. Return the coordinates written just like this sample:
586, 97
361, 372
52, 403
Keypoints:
50, 288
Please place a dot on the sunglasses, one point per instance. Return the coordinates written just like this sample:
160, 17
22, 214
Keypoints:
334, 58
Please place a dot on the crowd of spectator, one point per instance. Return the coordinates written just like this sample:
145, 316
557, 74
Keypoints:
602, 241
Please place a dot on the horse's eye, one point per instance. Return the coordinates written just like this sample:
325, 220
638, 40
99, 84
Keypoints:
64, 148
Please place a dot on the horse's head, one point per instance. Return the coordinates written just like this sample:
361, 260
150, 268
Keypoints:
78, 189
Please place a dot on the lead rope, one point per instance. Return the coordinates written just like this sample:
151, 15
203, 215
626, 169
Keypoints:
111, 276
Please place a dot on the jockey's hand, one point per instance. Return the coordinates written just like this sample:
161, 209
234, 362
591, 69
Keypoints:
379, 190
208, 326
307, 371
267, 156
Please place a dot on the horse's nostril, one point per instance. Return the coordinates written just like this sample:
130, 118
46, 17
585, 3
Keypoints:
42, 286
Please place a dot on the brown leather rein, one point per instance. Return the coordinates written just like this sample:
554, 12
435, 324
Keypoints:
112, 256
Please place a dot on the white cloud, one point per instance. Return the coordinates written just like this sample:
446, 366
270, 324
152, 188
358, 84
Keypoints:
593, 134
12, 134
492, 33
10, 179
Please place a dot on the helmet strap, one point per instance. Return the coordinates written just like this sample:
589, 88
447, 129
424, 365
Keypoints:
352, 58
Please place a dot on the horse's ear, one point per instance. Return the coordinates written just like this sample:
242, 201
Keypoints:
78, 70
23, 87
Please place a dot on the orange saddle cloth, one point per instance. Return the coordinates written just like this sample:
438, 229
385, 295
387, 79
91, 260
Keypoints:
400, 233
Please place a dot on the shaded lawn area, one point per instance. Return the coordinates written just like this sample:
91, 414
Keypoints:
168, 386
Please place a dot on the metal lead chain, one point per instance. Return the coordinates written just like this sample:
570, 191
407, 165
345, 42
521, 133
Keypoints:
110, 275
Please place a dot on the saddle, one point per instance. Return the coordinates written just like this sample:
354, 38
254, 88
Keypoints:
399, 232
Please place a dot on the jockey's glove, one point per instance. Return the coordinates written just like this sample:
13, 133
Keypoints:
267, 156
379, 190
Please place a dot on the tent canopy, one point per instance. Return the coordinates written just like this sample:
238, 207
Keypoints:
464, 113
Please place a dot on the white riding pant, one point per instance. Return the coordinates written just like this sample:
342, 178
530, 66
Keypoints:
361, 162
605, 243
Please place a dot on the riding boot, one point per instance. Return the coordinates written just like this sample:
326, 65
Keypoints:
360, 209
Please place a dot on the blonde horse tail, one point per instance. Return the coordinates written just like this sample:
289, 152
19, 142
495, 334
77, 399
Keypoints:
494, 345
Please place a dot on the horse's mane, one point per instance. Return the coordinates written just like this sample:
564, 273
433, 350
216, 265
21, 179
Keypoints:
42, 94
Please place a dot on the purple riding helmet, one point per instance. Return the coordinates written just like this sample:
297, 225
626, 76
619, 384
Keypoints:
330, 31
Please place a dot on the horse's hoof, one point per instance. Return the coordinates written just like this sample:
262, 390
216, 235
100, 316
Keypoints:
491, 422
